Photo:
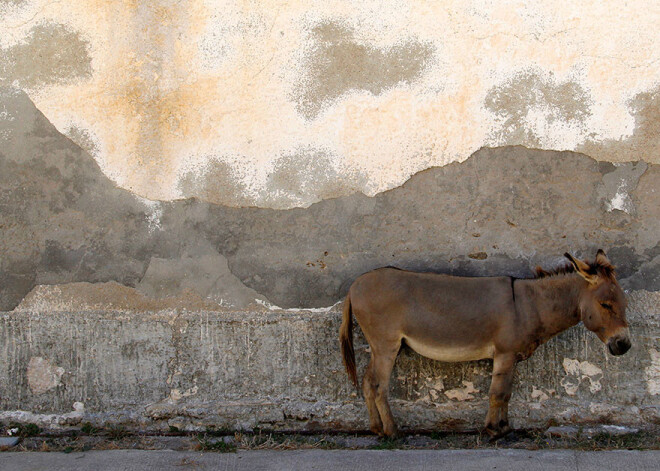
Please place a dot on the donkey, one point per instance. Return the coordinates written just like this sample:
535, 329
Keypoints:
451, 318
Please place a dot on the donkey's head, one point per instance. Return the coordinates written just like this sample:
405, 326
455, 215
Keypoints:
602, 303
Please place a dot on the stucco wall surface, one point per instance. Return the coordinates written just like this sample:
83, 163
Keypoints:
282, 370
284, 103
186, 192
501, 212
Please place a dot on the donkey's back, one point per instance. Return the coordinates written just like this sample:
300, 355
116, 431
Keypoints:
443, 317
391, 288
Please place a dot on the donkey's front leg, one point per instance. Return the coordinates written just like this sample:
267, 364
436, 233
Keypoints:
497, 420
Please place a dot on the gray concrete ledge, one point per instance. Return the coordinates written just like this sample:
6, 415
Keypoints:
281, 370
513, 460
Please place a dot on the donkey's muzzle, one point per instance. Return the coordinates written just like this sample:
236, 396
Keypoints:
618, 345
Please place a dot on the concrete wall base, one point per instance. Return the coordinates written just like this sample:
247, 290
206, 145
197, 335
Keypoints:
282, 370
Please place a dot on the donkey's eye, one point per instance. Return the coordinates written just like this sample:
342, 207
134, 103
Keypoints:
607, 306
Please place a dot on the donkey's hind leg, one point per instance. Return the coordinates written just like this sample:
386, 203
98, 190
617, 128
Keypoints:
369, 390
383, 362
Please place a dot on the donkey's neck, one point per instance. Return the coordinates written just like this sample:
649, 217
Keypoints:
549, 305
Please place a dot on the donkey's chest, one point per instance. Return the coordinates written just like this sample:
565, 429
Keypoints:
451, 353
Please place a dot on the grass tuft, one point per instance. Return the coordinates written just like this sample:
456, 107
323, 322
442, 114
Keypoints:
387, 443
88, 429
216, 445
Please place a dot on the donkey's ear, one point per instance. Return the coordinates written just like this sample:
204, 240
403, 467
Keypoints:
602, 260
581, 268
604, 265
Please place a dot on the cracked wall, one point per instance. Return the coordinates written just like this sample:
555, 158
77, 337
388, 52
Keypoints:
155, 159
207, 101
502, 211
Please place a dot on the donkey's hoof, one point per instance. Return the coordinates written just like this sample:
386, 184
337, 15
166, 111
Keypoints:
497, 433
391, 432
377, 429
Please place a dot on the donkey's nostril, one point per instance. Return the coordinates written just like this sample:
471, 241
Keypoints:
619, 346
623, 345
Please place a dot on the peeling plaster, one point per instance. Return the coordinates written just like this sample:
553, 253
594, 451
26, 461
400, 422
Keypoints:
336, 63
533, 108
84, 138
619, 184
69, 224
42, 375
156, 93
621, 199
642, 141
154, 214
50, 54
201, 271
577, 373
462, 394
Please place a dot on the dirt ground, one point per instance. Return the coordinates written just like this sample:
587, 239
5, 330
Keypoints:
88, 437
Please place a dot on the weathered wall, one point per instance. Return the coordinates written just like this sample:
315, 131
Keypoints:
502, 211
282, 370
227, 156
284, 103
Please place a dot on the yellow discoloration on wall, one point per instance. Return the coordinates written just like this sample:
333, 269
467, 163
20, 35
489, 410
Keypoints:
174, 88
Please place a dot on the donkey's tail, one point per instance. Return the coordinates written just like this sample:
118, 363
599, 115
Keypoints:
346, 341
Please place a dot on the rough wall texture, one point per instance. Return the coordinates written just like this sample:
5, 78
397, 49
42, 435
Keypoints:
159, 161
500, 212
171, 100
159, 352
282, 370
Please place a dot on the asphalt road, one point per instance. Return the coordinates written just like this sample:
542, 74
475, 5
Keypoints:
380, 460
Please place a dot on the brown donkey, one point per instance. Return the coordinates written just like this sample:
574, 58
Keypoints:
450, 318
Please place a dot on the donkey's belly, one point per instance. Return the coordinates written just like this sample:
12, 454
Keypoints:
451, 353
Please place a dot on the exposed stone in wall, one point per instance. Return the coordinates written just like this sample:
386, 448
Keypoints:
502, 211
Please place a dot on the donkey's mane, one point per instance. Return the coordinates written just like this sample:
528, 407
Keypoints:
563, 270
603, 269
